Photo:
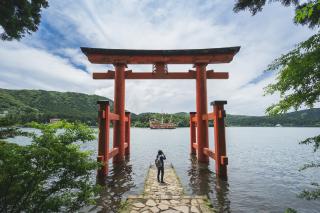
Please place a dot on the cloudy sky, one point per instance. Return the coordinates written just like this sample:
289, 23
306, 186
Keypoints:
50, 59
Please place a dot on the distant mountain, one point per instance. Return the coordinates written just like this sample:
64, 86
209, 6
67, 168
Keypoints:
22, 106
309, 117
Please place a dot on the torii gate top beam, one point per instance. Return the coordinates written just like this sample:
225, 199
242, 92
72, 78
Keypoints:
187, 56
159, 59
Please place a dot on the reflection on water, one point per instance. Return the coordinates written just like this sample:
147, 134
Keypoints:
202, 181
200, 177
222, 191
117, 185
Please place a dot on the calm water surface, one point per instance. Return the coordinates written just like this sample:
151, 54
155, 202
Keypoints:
263, 168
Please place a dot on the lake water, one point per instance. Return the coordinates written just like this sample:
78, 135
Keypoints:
263, 168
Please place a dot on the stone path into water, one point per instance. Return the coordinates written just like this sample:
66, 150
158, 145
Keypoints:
167, 197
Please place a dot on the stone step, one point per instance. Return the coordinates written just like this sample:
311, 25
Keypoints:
165, 197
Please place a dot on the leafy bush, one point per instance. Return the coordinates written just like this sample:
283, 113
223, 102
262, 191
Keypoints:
51, 174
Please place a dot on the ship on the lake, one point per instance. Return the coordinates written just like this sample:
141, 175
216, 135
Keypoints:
156, 124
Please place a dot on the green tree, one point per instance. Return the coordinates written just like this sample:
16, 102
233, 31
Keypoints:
306, 13
50, 175
20, 17
298, 79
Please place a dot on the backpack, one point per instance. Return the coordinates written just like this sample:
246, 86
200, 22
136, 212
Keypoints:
157, 162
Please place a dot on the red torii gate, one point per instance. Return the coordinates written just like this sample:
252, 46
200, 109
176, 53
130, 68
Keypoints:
200, 58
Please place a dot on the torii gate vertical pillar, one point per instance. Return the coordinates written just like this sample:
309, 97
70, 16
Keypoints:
202, 109
193, 134
119, 108
103, 141
127, 135
220, 139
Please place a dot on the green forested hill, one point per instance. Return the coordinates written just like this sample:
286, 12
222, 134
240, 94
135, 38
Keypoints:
310, 117
142, 120
29, 105
23, 106
301, 118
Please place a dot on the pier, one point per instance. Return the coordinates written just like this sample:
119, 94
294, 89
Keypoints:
165, 197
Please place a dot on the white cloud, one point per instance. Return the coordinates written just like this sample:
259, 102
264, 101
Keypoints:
26, 67
152, 25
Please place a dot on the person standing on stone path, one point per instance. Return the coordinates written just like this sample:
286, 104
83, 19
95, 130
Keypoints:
160, 165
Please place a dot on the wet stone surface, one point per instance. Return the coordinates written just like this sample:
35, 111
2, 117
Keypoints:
165, 197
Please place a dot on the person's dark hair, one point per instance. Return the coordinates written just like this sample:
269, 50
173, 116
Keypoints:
160, 152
